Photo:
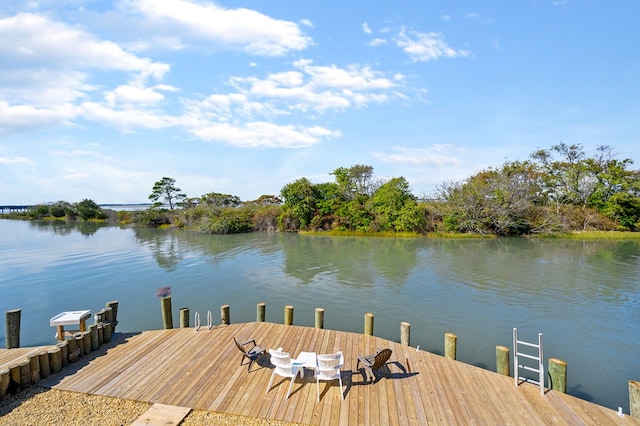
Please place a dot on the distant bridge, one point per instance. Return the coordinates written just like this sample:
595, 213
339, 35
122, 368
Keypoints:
24, 208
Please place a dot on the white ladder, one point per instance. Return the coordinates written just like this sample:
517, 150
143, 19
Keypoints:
529, 356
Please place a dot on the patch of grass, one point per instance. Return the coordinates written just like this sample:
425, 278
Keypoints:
592, 235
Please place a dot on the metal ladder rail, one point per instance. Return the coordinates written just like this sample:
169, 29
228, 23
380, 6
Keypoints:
539, 358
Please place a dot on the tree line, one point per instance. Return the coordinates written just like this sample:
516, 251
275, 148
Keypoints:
559, 189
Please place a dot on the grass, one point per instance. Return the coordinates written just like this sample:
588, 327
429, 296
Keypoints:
593, 235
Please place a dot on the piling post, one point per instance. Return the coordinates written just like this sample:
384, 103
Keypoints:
114, 313
225, 315
25, 374
634, 398
288, 315
108, 315
319, 318
450, 345
93, 331
12, 328
43, 359
107, 331
368, 323
55, 359
167, 318
558, 375
184, 317
34, 368
14, 376
72, 349
503, 361
86, 338
5, 379
261, 309
405, 333
64, 353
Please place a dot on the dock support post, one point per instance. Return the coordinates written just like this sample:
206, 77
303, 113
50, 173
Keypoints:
12, 328
107, 331
64, 353
261, 309
5, 379
319, 318
114, 313
224, 315
634, 398
86, 339
25, 374
288, 315
93, 331
34, 368
184, 317
55, 359
45, 370
368, 324
450, 345
405, 333
558, 375
167, 318
503, 361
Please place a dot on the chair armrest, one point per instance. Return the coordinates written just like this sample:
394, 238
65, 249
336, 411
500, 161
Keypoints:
249, 341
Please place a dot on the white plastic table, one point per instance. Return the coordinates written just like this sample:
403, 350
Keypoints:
308, 360
69, 318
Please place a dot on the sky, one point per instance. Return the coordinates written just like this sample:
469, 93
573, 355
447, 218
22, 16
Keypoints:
101, 99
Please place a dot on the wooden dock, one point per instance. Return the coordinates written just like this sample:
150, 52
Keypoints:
201, 370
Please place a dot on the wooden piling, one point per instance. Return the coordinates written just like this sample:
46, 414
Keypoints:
405, 333
12, 328
108, 315
319, 319
80, 344
288, 315
5, 379
93, 332
368, 324
43, 359
25, 374
86, 340
634, 398
225, 315
72, 350
450, 345
503, 361
167, 318
261, 309
100, 328
114, 312
184, 317
557, 375
64, 353
55, 359
14, 376
107, 331
34, 368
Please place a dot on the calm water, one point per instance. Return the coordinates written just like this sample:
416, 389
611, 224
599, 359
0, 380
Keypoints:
584, 296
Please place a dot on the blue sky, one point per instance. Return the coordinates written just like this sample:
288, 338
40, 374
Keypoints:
100, 99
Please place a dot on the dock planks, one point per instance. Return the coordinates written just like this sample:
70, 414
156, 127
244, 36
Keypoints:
201, 370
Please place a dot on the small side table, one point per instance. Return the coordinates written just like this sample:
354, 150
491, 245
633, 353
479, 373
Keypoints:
69, 318
308, 360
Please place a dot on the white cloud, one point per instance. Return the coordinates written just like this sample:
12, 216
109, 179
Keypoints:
423, 47
366, 29
16, 160
244, 29
438, 155
377, 42
264, 134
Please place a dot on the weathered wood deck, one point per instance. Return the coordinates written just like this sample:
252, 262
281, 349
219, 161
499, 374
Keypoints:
201, 370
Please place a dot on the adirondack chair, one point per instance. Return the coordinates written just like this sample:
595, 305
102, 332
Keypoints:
329, 369
373, 363
285, 367
252, 353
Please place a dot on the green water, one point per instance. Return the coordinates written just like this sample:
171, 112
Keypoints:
584, 296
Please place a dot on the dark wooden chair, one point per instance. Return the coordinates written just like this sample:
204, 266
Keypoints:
373, 363
250, 350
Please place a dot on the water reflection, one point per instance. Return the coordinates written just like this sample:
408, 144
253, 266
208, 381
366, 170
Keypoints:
582, 295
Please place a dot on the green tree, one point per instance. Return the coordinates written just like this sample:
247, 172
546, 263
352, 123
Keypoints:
392, 201
88, 209
299, 202
166, 190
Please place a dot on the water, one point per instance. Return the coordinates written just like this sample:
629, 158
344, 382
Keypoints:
584, 296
